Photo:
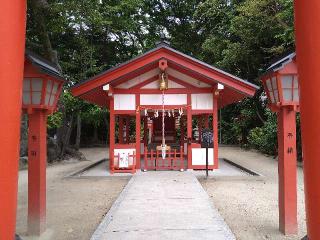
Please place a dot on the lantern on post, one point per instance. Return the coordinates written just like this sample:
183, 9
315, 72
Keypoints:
42, 86
282, 88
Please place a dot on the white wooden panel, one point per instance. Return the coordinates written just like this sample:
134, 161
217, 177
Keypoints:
199, 156
124, 102
169, 99
124, 153
156, 85
152, 85
186, 78
172, 84
203, 101
139, 79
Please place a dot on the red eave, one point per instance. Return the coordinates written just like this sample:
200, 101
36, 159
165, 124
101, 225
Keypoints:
175, 59
149, 61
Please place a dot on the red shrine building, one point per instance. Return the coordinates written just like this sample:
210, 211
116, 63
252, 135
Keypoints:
159, 103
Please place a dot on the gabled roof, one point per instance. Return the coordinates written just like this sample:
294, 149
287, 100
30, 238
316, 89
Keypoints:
43, 65
282, 62
148, 61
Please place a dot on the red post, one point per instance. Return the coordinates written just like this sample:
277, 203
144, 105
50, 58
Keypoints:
287, 170
127, 129
206, 121
200, 126
37, 162
182, 125
120, 129
112, 136
145, 131
138, 131
215, 132
12, 42
308, 58
189, 131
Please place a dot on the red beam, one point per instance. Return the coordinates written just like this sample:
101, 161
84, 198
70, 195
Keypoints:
12, 32
198, 112
157, 91
124, 112
166, 107
308, 58
37, 155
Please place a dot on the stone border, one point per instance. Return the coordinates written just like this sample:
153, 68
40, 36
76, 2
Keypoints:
251, 172
78, 172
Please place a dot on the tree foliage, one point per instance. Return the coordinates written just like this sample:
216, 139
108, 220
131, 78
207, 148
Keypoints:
239, 36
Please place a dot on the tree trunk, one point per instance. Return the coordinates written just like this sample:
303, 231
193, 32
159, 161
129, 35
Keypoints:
64, 136
95, 135
24, 135
78, 136
40, 9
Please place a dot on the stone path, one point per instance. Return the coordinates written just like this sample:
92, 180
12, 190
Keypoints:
163, 205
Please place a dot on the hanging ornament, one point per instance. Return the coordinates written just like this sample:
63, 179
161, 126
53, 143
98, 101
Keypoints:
169, 114
172, 112
180, 111
146, 112
163, 146
163, 81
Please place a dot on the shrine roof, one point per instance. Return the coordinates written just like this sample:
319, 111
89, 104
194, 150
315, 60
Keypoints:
182, 69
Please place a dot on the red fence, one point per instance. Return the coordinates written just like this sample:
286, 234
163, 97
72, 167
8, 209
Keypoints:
174, 160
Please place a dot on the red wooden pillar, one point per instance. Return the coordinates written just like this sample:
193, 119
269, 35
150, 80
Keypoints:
12, 42
138, 131
112, 135
200, 126
206, 121
37, 162
120, 129
287, 170
127, 129
189, 130
215, 131
308, 58
182, 124
145, 131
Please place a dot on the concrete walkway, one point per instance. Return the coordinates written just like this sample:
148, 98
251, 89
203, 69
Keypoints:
163, 205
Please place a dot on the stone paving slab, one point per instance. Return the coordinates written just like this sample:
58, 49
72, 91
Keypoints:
163, 205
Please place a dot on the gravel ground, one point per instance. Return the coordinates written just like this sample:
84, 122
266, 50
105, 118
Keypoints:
249, 205
75, 206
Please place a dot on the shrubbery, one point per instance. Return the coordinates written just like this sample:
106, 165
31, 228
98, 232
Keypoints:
265, 138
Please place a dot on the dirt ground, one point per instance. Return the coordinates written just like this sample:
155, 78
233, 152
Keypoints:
249, 205
75, 206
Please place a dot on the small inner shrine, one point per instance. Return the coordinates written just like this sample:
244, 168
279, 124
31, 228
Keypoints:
159, 103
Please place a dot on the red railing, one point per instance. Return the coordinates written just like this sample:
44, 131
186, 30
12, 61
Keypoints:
174, 160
